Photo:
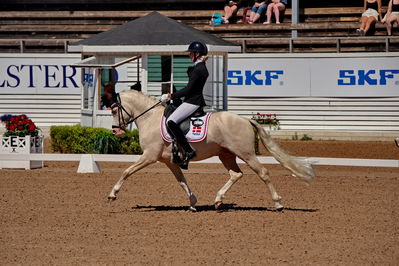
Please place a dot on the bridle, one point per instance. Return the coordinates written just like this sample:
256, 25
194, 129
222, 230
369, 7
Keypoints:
121, 110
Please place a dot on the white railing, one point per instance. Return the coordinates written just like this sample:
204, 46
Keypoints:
88, 162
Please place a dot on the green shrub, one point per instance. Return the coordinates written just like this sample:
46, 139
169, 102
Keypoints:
306, 137
106, 143
78, 139
129, 142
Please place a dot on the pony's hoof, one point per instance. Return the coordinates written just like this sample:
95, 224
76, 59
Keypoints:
278, 207
193, 200
111, 198
192, 209
218, 205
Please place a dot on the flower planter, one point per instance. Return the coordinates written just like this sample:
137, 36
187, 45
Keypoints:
271, 127
21, 145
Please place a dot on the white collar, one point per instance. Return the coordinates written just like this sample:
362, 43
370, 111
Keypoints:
198, 61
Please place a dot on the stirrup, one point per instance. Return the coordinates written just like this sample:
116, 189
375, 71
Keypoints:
187, 157
177, 156
183, 164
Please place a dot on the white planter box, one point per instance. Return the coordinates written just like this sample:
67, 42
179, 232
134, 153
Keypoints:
270, 127
21, 145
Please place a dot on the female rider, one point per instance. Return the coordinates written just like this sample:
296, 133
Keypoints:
193, 96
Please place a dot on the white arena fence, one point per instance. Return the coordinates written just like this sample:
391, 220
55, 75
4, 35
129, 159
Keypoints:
88, 162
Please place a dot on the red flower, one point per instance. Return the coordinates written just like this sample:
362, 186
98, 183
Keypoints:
32, 127
19, 125
21, 117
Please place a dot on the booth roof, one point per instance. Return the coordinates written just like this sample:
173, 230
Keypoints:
153, 29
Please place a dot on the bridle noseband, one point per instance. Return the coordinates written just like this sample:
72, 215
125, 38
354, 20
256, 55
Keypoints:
121, 110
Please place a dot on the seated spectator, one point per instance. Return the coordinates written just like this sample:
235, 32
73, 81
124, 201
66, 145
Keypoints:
276, 7
108, 98
392, 16
246, 12
372, 11
257, 10
231, 9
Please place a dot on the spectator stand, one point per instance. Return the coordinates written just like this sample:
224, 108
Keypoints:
321, 29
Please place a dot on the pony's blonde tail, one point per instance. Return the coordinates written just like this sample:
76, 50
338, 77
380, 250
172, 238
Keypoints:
298, 167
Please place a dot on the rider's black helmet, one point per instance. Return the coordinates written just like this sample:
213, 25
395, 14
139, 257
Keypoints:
198, 47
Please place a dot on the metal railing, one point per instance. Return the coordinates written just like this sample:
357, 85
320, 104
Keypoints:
388, 42
336, 41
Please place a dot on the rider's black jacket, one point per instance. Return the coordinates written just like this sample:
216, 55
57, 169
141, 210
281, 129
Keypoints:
192, 93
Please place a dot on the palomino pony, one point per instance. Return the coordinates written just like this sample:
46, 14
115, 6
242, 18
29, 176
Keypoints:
229, 136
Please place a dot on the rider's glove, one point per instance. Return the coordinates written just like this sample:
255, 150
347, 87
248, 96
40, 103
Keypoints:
165, 98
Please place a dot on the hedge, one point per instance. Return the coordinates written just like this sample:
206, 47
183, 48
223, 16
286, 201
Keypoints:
78, 139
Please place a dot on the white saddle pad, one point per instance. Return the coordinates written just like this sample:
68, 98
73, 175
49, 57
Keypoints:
197, 132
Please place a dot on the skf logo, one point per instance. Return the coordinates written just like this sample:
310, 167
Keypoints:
254, 77
368, 77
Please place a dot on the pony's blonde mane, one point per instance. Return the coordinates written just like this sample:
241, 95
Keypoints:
147, 98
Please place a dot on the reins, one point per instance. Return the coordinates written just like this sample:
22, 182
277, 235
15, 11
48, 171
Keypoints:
122, 109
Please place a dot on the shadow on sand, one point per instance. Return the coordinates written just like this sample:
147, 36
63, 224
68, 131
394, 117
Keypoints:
224, 208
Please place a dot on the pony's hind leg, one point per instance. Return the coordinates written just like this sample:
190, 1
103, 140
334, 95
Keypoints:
141, 163
229, 161
263, 173
183, 183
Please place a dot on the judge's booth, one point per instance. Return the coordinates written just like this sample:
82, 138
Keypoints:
152, 73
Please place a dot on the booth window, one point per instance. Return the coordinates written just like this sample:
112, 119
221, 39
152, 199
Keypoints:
169, 69
108, 81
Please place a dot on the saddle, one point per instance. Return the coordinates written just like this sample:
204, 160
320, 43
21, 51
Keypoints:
194, 128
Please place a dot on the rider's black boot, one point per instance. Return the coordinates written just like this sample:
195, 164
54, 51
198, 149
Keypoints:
182, 141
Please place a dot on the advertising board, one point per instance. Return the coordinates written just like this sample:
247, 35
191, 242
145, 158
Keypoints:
375, 76
39, 74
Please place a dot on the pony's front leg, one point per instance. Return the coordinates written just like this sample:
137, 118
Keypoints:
183, 183
141, 163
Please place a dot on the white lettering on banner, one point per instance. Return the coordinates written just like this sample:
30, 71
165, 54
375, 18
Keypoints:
313, 76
